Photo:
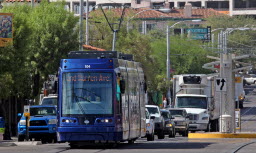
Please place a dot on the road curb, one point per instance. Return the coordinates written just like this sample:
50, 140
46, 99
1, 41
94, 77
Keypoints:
29, 143
221, 135
7, 144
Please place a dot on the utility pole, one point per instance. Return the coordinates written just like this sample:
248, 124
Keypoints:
32, 3
114, 40
81, 25
227, 74
87, 23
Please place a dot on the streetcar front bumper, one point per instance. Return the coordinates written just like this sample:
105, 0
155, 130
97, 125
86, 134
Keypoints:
73, 134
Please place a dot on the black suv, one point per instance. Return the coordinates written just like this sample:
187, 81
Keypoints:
169, 127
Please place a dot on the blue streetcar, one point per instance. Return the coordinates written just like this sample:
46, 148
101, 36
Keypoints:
101, 98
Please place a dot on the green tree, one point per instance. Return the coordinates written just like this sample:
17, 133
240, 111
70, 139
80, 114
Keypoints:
42, 36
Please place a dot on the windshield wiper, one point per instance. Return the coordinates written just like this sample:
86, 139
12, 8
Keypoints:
75, 98
87, 98
88, 91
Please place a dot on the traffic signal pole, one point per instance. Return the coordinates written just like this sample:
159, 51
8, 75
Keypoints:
227, 73
27, 130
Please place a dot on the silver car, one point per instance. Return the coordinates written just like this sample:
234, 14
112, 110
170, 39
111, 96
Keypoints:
150, 126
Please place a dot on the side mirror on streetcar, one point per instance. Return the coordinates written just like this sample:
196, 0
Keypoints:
122, 86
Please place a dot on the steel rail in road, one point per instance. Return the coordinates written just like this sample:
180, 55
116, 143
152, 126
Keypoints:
242, 146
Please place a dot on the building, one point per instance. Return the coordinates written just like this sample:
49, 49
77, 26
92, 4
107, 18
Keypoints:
231, 7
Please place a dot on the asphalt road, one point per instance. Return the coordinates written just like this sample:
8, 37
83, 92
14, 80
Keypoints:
248, 113
175, 145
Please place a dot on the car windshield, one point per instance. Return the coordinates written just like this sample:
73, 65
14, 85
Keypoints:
176, 112
87, 93
49, 101
45, 111
166, 115
153, 110
192, 102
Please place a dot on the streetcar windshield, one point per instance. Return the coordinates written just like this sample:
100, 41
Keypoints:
87, 93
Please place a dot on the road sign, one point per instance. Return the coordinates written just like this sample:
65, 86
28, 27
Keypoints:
200, 36
221, 84
238, 80
26, 111
200, 33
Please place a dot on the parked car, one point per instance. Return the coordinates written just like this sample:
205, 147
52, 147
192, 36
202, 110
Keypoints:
159, 120
181, 120
150, 126
49, 100
169, 123
250, 79
42, 122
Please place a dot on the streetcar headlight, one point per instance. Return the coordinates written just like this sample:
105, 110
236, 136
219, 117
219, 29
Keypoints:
22, 122
66, 121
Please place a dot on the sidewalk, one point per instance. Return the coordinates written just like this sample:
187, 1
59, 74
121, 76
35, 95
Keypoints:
14, 142
8, 143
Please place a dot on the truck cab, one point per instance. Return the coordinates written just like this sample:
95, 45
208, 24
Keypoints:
197, 109
42, 124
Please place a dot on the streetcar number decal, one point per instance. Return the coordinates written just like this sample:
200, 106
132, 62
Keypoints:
87, 66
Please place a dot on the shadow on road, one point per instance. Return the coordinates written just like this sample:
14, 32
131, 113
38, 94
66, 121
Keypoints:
165, 145
180, 145
249, 90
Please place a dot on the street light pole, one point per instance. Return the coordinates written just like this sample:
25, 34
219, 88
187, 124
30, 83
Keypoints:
168, 62
128, 21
